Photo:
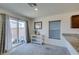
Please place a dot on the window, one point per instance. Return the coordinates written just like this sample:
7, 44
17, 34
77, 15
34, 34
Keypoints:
54, 29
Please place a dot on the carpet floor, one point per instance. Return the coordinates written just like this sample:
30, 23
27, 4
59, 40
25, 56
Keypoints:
36, 49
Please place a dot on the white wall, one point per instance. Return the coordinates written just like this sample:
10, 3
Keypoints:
65, 27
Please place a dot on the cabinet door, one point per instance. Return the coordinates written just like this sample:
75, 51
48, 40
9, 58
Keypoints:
75, 21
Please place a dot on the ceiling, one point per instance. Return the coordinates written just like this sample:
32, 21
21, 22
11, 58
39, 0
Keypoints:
44, 9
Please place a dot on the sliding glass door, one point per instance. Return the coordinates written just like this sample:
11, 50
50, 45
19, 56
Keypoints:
18, 32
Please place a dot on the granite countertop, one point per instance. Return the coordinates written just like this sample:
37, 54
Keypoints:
73, 39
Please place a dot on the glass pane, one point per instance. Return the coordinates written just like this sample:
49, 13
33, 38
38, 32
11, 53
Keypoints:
22, 32
13, 26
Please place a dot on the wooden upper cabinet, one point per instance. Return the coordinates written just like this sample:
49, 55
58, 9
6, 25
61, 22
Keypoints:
75, 21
